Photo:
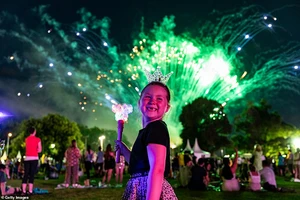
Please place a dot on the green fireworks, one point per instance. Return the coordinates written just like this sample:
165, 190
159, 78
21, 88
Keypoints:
208, 61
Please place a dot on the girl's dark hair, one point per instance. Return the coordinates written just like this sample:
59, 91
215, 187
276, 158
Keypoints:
2, 166
252, 168
107, 151
226, 171
73, 143
89, 148
31, 130
159, 84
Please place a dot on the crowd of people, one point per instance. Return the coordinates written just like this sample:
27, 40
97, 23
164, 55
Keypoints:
191, 172
255, 174
149, 160
103, 164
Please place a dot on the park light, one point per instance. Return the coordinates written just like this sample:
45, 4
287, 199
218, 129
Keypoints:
296, 142
173, 146
101, 138
7, 146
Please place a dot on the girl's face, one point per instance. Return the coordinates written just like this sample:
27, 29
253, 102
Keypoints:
208, 167
153, 103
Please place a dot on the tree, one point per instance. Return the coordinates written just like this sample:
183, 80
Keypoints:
258, 124
205, 120
56, 133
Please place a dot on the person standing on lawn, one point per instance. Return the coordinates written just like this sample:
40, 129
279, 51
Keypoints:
149, 160
33, 146
72, 156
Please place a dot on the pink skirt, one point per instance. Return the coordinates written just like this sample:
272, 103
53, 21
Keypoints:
231, 185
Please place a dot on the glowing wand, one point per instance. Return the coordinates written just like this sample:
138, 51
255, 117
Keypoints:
121, 116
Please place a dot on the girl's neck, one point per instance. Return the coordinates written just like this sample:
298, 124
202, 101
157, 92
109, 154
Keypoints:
145, 123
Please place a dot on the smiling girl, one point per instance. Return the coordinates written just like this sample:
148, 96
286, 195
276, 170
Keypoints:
149, 160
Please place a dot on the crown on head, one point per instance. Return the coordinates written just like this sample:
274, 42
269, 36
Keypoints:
157, 76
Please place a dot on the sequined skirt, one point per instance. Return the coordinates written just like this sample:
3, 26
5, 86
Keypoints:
136, 188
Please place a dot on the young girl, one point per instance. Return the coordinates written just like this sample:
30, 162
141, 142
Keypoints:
120, 171
254, 179
109, 165
89, 154
149, 160
230, 183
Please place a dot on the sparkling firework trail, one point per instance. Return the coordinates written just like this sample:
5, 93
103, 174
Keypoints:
210, 62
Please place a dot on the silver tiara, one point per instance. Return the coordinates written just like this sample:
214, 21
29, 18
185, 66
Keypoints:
157, 76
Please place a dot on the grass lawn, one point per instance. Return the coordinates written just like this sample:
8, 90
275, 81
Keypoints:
182, 193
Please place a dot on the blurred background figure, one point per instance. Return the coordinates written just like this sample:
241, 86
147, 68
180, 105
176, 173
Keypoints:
254, 179
99, 163
281, 166
175, 165
120, 171
228, 174
297, 164
109, 165
290, 162
88, 163
199, 179
258, 153
72, 156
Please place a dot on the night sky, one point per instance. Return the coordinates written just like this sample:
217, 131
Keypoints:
125, 21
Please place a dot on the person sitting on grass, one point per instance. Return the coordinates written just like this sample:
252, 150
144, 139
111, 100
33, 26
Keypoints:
230, 183
268, 176
254, 179
4, 189
199, 179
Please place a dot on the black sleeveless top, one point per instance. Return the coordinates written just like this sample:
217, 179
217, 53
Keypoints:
156, 133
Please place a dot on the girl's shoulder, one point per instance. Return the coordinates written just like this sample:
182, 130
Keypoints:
155, 126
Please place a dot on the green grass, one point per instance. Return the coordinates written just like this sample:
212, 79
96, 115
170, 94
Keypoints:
182, 193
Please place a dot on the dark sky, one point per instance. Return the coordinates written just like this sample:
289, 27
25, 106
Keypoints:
125, 14
125, 17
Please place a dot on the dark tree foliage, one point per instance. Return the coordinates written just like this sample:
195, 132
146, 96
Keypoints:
258, 124
205, 120
52, 129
